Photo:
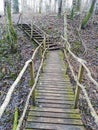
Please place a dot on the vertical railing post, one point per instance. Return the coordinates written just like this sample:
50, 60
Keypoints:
15, 118
40, 53
67, 53
44, 42
32, 80
31, 30
77, 92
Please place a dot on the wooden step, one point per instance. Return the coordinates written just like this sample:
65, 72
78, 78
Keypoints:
48, 126
39, 40
38, 37
41, 87
54, 48
57, 92
54, 115
51, 45
76, 111
56, 98
53, 119
52, 94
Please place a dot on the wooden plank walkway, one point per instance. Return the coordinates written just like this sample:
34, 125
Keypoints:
54, 99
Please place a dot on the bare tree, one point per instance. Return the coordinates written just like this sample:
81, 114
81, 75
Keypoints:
10, 32
96, 7
40, 6
65, 21
15, 6
55, 3
76, 7
59, 7
50, 5
88, 15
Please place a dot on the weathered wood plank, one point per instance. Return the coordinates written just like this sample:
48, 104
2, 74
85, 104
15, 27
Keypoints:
56, 110
55, 120
54, 115
47, 126
54, 88
48, 80
56, 98
57, 92
53, 94
54, 101
53, 105
55, 83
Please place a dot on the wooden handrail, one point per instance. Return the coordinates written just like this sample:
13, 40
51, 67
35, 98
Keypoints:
82, 62
36, 50
11, 89
30, 93
93, 112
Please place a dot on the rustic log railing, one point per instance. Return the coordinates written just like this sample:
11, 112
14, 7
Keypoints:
78, 79
30, 62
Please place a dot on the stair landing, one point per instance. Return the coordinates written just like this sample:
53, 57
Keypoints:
54, 99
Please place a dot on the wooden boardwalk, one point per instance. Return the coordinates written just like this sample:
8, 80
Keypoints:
54, 99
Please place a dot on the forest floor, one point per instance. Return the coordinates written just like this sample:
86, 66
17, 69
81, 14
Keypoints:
11, 64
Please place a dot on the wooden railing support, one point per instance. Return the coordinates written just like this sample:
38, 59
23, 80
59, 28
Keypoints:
40, 53
15, 118
33, 97
32, 80
31, 30
32, 72
67, 53
80, 74
44, 43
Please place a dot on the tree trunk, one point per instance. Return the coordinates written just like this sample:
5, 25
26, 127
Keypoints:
10, 32
65, 21
88, 15
50, 5
78, 5
74, 6
15, 6
59, 7
96, 8
5, 4
55, 6
40, 6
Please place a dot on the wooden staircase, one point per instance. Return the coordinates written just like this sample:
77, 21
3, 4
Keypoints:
54, 95
38, 36
54, 99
